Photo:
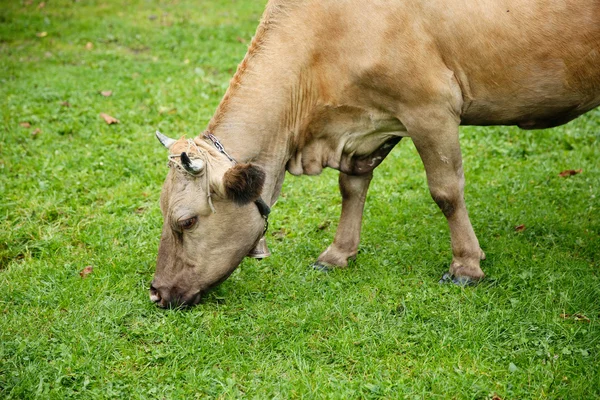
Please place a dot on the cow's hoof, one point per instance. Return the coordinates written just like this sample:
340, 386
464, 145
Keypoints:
318, 266
458, 280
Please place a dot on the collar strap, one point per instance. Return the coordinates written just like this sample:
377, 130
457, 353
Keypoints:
264, 211
263, 208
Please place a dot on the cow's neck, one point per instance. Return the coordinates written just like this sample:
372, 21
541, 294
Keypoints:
259, 115
285, 107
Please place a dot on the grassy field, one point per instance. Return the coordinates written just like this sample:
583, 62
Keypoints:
77, 192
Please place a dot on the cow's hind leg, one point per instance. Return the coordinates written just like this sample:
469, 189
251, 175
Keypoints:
436, 139
347, 237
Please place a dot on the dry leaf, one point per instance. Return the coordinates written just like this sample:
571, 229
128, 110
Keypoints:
86, 271
89, 45
106, 93
240, 39
324, 225
65, 104
576, 317
25, 124
109, 120
570, 172
580, 317
496, 397
36, 132
520, 228
41, 5
41, 34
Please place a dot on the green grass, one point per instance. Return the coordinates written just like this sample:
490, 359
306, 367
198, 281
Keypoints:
83, 193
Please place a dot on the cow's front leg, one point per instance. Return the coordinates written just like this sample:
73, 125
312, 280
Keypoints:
440, 151
345, 244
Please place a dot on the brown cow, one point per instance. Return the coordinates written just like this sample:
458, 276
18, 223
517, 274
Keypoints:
330, 83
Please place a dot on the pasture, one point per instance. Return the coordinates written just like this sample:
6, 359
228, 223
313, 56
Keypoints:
77, 192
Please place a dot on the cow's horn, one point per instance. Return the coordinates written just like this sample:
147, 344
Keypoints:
191, 166
164, 140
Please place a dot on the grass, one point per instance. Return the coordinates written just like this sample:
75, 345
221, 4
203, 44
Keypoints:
80, 192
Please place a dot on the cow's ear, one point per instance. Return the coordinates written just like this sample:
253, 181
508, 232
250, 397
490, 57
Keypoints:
243, 183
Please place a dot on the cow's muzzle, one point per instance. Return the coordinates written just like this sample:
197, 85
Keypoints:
171, 299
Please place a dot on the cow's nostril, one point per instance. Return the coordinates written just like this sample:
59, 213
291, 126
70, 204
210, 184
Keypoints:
154, 295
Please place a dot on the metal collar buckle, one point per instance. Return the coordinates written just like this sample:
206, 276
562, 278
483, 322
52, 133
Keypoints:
218, 145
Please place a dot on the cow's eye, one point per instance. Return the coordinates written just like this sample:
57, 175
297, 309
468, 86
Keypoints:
187, 223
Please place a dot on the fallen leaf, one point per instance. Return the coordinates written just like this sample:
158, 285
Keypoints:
496, 397
576, 317
89, 46
36, 132
25, 124
240, 39
570, 172
41, 34
106, 93
520, 228
28, 2
324, 225
580, 317
65, 104
86, 271
41, 5
109, 120
140, 210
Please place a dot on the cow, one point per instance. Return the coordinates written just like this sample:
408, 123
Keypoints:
338, 83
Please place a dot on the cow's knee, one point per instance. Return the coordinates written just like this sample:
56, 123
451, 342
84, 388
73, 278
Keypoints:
445, 201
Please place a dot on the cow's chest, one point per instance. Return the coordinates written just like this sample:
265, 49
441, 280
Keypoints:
349, 141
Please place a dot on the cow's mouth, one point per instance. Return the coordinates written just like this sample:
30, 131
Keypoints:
163, 301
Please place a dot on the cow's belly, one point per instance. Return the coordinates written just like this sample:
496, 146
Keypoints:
518, 68
536, 115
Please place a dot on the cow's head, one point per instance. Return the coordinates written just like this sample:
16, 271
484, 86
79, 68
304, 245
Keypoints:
210, 220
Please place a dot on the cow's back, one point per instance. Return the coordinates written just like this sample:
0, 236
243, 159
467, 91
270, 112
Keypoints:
535, 63
526, 62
